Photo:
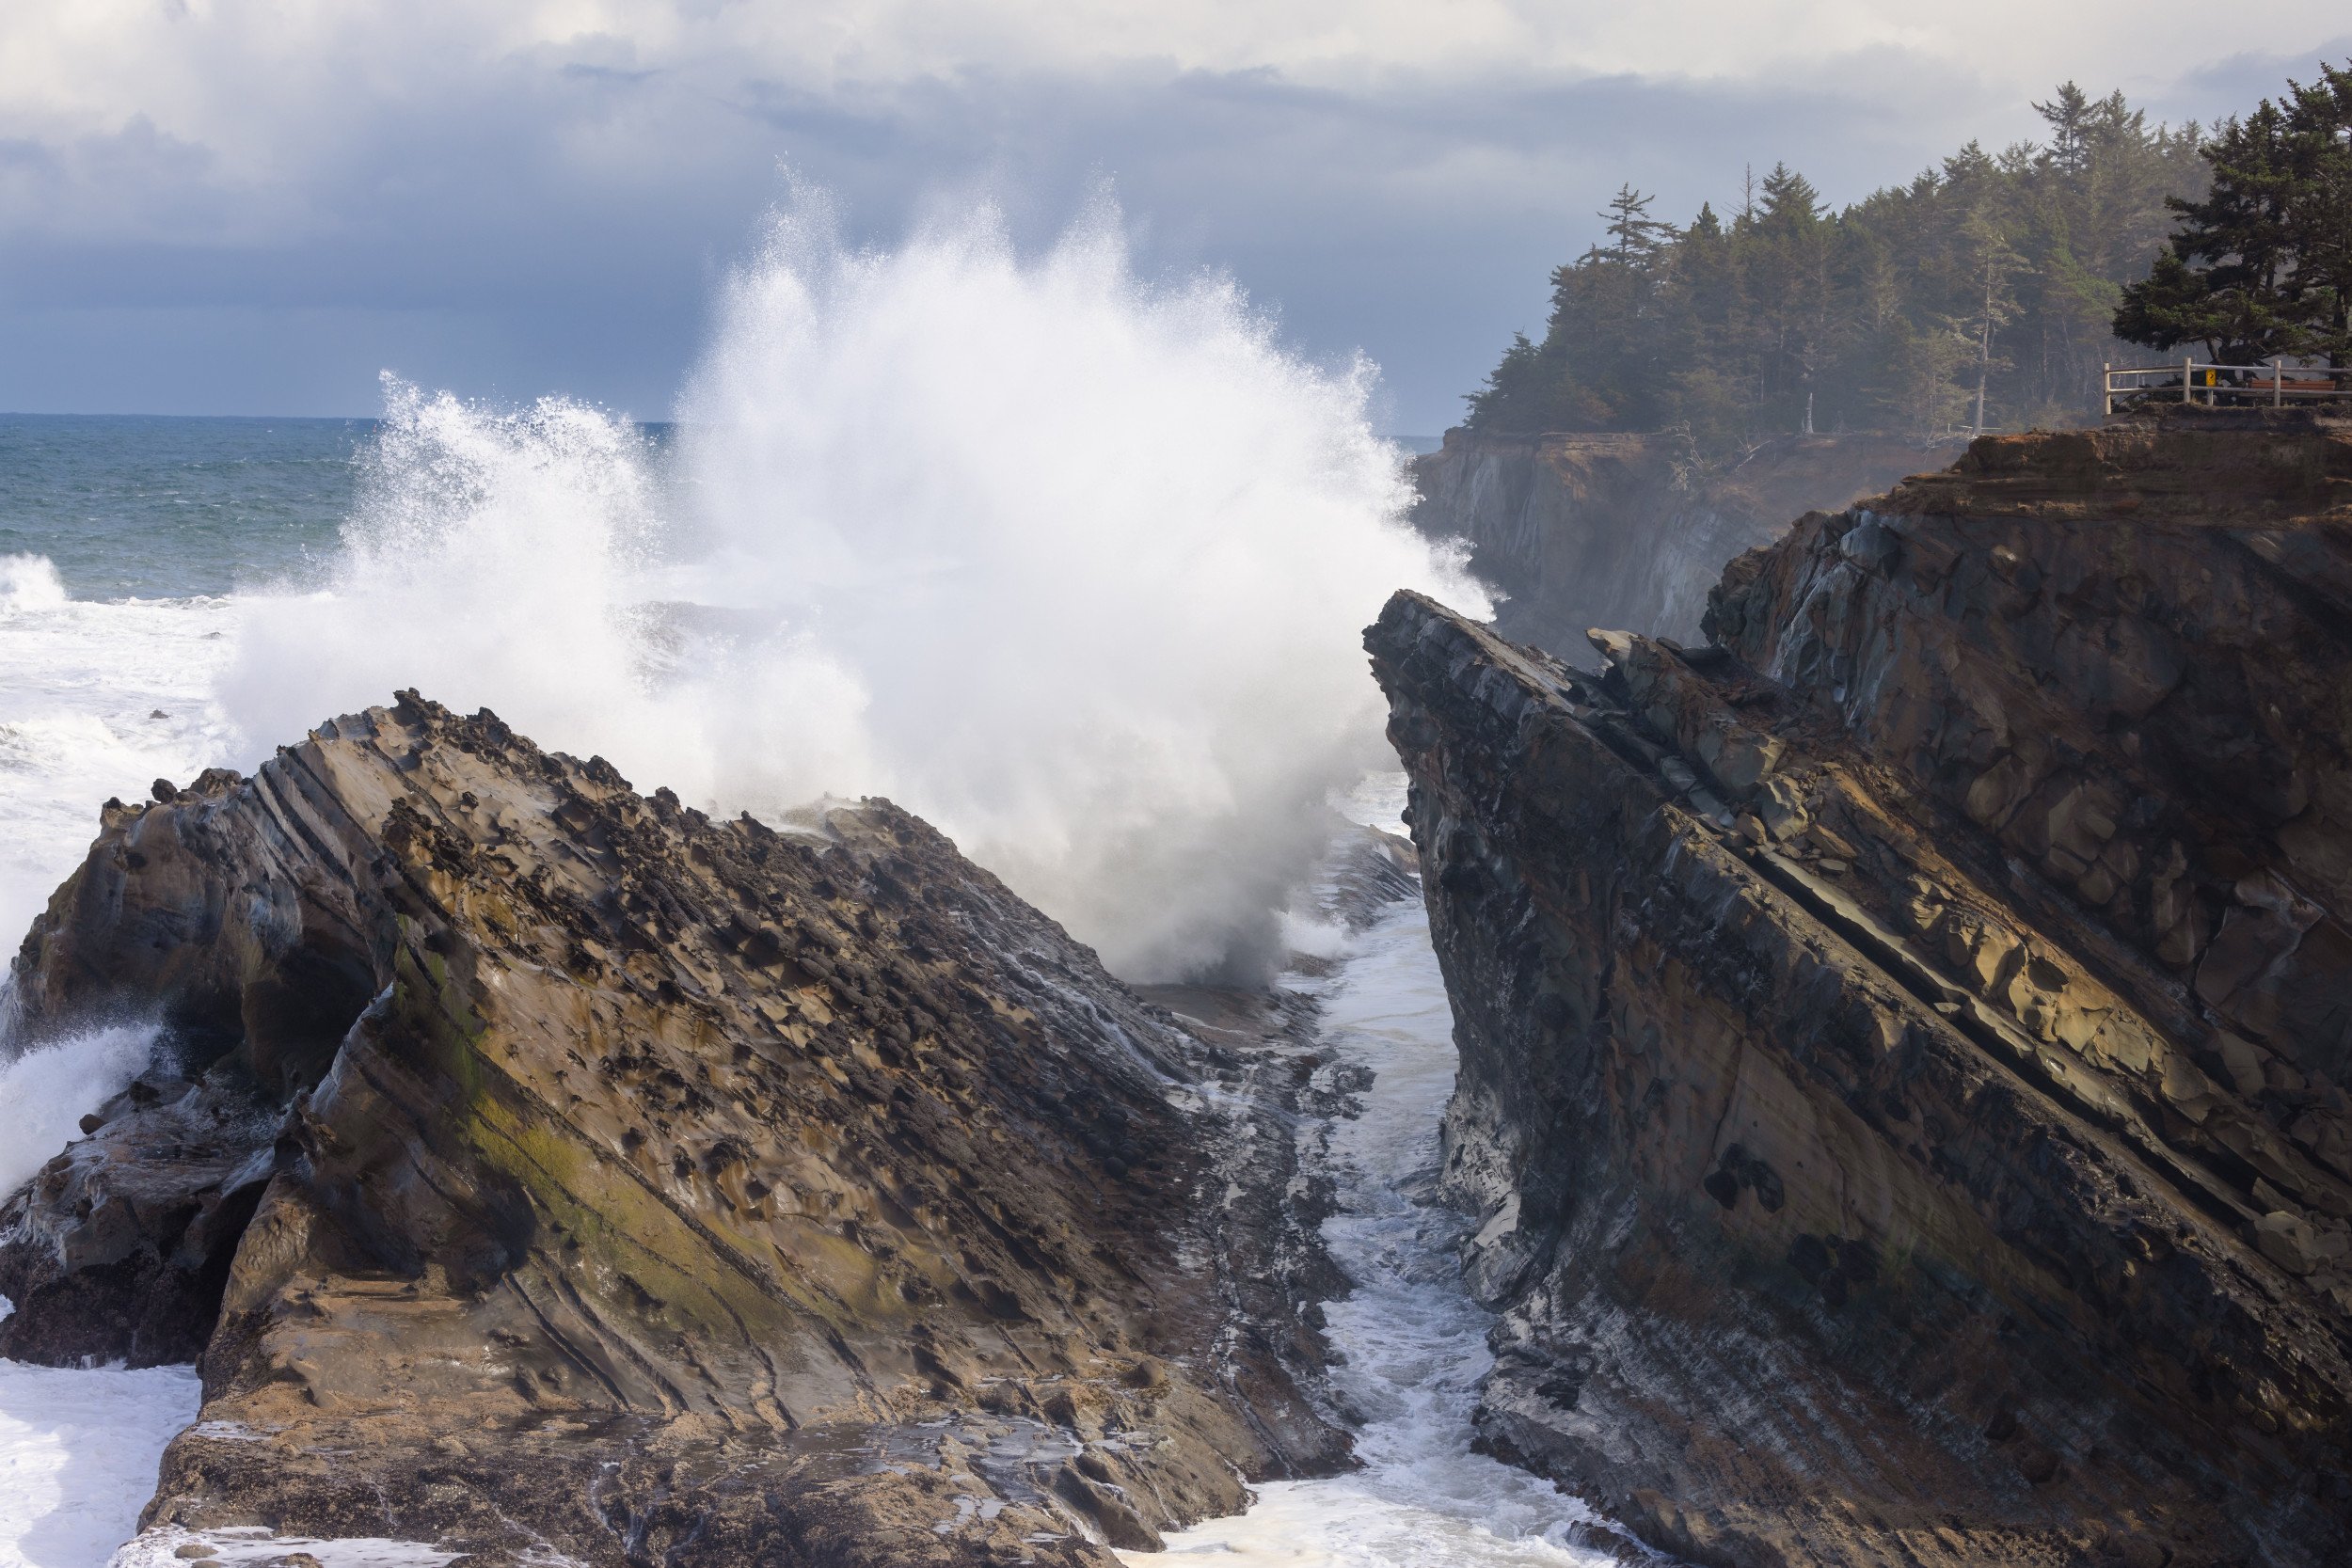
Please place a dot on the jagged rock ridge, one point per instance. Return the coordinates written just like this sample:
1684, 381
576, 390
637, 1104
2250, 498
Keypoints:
1903, 1044
545, 1169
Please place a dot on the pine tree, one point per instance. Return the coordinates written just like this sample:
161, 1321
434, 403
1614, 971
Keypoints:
1637, 234
1993, 278
2069, 114
2261, 266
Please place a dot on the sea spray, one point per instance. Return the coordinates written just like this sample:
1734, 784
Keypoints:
47, 1088
1071, 563
96, 700
29, 582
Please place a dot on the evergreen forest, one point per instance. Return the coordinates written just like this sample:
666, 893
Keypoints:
2260, 266
1980, 295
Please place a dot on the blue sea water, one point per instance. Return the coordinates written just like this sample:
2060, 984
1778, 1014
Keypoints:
151, 507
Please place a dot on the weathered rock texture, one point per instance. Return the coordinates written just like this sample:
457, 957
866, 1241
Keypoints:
1623, 530
1902, 1045
541, 1168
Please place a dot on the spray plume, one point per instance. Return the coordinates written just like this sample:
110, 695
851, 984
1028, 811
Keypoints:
1070, 564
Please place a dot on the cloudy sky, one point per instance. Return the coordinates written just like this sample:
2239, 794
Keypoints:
252, 206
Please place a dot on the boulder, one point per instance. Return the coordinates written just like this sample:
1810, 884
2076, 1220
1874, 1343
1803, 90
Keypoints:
552, 1172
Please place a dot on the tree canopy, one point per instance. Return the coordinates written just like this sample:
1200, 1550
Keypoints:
2260, 265
1990, 281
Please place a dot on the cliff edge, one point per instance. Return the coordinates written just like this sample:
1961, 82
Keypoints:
1904, 1041
1578, 530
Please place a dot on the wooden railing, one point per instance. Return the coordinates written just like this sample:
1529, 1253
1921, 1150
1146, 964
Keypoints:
2274, 384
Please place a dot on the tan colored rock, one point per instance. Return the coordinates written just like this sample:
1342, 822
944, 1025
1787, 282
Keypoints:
1784, 808
1984, 953
626, 1186
2243, 1061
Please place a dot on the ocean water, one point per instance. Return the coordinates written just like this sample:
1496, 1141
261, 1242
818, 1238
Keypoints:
1411, 1343
1072, 563
122, 545
78, 1451
154, 508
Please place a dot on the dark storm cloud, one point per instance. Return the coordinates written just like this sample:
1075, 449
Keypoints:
546, 223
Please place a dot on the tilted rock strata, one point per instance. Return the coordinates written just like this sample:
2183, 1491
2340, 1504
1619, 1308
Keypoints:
2156, 716
648, 1188
1629, 531
1854, 1188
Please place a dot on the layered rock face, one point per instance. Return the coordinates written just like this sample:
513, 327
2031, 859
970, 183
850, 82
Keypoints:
1624, 530
556, 1174
1903, 1043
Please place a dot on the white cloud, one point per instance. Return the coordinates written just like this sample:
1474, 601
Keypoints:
536, 163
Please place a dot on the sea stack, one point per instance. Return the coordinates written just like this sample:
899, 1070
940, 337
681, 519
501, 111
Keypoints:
553, 1173
1904, 1040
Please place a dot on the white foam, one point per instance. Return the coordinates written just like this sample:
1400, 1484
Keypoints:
45, 1092
250, 1543
1414, 1342
1073, 564
96, 700
78, 1454
29, 582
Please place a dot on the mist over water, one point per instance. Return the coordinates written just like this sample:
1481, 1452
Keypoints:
1071, 563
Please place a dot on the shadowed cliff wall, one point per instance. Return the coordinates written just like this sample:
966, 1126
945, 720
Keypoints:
1616, 530
1902, 1044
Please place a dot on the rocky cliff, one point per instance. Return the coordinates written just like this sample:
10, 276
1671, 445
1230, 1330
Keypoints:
1580, 530
1904, 1041
554, 1174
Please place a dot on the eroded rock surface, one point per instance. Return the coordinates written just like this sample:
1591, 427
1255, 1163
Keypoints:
546, 1169
1903, 1046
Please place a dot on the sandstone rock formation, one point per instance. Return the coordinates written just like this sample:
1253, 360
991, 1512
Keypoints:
1904, 1043
1624, 531
551, 1173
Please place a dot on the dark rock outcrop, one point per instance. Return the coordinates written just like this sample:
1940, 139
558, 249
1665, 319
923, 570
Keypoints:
1629, 531
553, 1173
1904, 1045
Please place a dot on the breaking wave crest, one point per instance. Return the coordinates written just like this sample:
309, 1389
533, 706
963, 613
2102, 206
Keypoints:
29, 582
1071, 563
46, 1091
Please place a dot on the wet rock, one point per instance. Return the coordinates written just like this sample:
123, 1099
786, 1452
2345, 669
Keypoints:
111, 1252
564, 1175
